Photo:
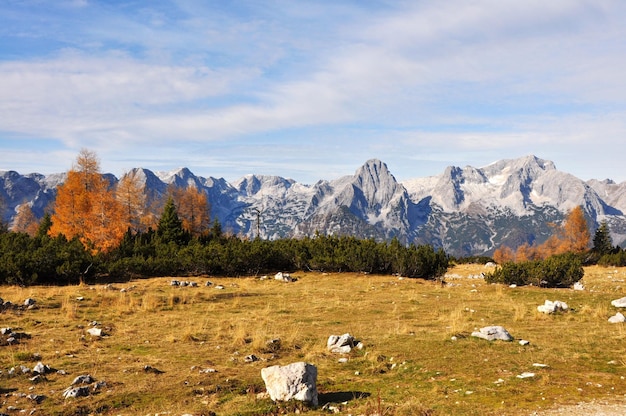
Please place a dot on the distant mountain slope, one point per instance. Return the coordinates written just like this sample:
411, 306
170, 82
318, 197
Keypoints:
467, 211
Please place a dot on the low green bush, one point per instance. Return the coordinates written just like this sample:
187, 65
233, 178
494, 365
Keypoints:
562, 270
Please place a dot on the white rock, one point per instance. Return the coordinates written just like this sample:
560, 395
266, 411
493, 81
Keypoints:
579, 286
619, 303
618, 318
552, 307
523, 342
95, 332
283, 277
492, 333
342, 344
526, 375
83, 379
76, 392
294, 381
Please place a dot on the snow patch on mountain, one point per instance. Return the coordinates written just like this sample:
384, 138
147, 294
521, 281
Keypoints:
464, 210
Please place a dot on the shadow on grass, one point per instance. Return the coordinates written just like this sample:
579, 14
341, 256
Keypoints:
7, 390
341, 396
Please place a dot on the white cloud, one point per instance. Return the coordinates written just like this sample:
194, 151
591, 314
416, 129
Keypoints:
450, 78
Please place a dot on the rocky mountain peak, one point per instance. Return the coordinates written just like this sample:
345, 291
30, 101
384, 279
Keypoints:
466, 211
376, 182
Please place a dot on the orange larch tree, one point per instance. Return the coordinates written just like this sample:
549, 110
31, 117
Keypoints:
574, 234
25, 221
86, 207
503, 254
130, 193
193, 209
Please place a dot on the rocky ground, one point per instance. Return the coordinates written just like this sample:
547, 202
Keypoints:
595, 408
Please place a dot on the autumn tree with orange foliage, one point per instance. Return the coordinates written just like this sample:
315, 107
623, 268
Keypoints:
86, 206
574, 234
571, 237
25, 221
130, 194
503, 254
192, 207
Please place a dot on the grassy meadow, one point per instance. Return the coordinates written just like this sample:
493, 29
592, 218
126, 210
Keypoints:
198, 338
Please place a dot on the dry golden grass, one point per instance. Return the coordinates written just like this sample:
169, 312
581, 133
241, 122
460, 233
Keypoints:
410, 364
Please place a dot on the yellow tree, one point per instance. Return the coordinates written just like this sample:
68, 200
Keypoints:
574, 234
193, 209
25, 221
525, 252
503, 254
130, 193
86, 207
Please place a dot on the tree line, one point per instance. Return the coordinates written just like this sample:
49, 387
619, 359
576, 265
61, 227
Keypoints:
98, 229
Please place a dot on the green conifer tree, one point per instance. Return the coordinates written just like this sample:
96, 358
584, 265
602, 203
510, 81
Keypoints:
170, 228
602, 242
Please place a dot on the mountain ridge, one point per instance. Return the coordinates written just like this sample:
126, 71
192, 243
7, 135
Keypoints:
467, 211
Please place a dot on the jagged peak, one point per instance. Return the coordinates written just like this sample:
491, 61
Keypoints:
525, 163
252, 183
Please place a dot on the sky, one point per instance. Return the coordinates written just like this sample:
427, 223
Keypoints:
311, 90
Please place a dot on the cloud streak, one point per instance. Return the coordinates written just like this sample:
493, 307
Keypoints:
448, 82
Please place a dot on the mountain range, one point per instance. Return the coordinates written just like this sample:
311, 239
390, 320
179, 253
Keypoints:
466, 211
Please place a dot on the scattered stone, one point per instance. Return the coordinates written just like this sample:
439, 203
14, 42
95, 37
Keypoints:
492, 333
83, 379
150, 369
490, 264
73, 392
578, 286
343, 360
526, 375
618, 318
251, 358
97, 386
272, 345
619, 303
284, 277
342, 344
208, 283
40, 368
175, 283
552, 307
294, 381
95, 332
37, 379
29, 302
539, 365
207, 371
523, 342
219, 287
37, 398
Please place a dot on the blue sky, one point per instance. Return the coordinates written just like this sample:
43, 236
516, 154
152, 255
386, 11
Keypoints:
312, 89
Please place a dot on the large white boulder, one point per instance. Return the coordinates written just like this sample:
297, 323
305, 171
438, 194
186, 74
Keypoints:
618, 318
294, 381
493, 333
552, 307
342, 344
619, 303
